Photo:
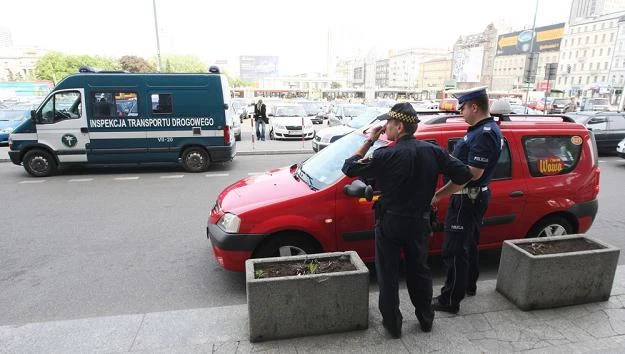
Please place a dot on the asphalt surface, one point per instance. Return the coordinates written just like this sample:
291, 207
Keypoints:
127, 240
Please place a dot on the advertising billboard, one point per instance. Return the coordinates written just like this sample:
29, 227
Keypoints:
253, 68
546, 39
467, 65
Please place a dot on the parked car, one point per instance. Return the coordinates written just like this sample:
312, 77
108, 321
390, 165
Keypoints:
341, 114
561, 105
620, 148
520, 109
11, 118
607, 127
546, 183
594, 104
424, 105
289, 121
327, 136
312, 108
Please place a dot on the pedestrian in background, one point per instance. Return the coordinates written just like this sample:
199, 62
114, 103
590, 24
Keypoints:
260, 118
406, 174
479, 149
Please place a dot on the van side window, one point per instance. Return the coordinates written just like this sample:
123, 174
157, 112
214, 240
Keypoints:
503, 170
114, 104
62, 106
162, 103
552, 155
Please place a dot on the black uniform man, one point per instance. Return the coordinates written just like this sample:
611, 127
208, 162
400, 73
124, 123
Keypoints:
406, 173
479, 149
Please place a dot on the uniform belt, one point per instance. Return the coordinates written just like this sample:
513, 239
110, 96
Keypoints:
466, 190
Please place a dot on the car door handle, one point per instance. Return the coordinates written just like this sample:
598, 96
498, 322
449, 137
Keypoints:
84, 130
516, 194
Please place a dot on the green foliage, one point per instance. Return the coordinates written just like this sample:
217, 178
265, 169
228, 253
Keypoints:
259, 274
335, 85
236, 81
182, 64
135, 64
55, 65
312, 267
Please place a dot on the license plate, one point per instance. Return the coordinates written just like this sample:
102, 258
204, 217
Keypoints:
295, 132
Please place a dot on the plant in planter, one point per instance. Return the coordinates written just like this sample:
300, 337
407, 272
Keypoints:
306, 295
556, 271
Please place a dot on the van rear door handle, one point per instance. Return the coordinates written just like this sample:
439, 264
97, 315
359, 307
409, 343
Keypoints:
84, 130
516, 194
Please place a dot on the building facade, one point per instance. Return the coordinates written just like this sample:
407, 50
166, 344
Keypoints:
381, 73
434, 73
404, 66
586, 57
473, 58
617, 69
584, 9
18, 63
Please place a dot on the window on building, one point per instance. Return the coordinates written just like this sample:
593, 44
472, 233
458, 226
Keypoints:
589, 66
600, 51
621, 79
593, 52
602, 25
613, 79
603, 38
565, 80
611, 37
609, 51
579, 80
581, 66
559, 80
587, 80
603, 79
594, 27
605, 66
566, 42
574, 67
588, 38
594, 78
579, 40
570, 55
596, 37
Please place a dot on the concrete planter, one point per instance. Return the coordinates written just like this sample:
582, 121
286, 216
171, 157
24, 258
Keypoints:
551, 280
294, 306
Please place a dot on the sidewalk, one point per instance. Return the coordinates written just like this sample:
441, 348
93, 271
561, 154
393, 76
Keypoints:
487, 323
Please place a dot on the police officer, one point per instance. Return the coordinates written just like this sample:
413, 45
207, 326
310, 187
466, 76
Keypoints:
406, 173
479, 149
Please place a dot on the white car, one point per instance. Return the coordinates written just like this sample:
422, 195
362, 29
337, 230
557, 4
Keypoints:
326, 136
620, 149
289, 121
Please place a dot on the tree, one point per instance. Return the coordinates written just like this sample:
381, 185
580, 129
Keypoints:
56, 65
335, 85
183, 64
236, 81
135, 64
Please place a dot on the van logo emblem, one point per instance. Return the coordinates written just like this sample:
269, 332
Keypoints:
69, 140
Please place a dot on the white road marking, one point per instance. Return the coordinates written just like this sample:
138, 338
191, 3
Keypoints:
172, 176
601, 160
126, 178
33, 182
81, 180
255, 173
218, 175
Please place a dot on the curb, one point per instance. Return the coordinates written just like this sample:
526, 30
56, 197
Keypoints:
245, 153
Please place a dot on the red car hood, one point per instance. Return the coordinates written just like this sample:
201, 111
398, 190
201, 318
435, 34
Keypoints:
262, 190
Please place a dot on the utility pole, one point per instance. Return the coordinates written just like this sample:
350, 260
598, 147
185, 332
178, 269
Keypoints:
158, 44
532, 54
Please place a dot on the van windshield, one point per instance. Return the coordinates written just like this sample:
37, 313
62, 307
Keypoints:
325, 166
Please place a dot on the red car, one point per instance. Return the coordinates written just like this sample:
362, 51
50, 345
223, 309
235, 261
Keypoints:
546, 183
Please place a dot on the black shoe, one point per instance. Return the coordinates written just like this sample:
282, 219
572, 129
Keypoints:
443, 307
394, 331
425, 320
471, 292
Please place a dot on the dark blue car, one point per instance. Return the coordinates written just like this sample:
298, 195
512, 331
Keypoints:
10, 118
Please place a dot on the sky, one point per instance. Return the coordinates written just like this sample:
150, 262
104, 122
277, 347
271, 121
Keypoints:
295, 31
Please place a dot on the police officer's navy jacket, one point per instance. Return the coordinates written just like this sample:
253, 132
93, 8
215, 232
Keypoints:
480, 148
407, 172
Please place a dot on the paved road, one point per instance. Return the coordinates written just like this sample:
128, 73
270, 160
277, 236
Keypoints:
125, 240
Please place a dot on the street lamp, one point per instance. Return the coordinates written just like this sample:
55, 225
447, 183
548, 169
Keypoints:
158, 44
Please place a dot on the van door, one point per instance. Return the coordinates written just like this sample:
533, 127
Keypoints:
62, 125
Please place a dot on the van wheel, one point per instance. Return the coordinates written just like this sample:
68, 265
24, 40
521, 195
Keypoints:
39, 163
551, 226
286, 245
195, 159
